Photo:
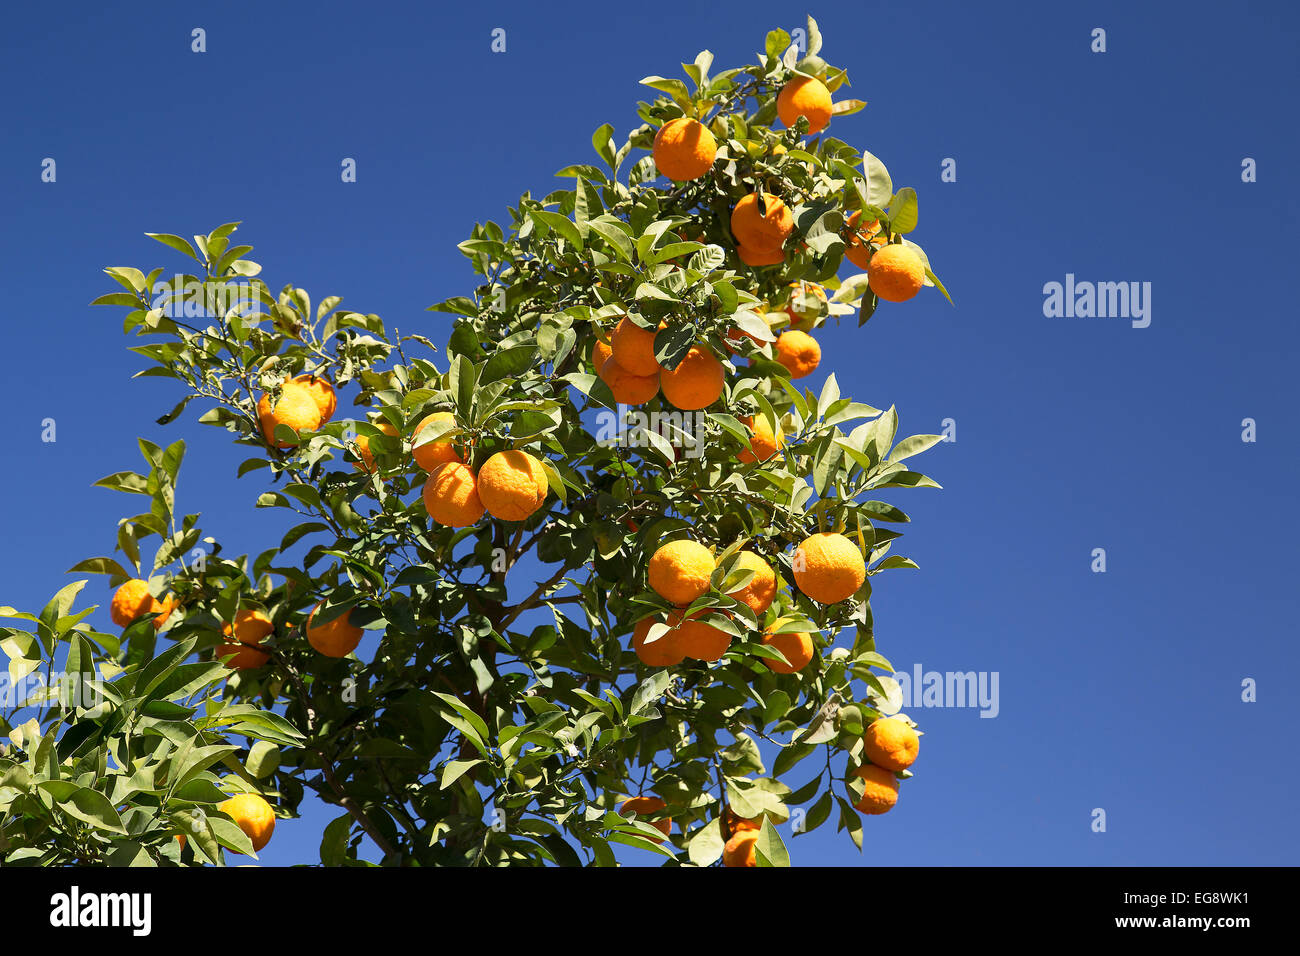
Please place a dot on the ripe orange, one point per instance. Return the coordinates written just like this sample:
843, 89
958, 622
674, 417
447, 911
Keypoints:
322, 393
696, 382
296, 408
764, 443
645, 806
451, 495
881, 792
797, 648
739, 850
736, 823
805, 96
253, 815
432, 454
239, 651
700, 641
664, 652
761, 235
759, 593
629, 389
165, 608
895, 273
239, 656
679, 571
828, 567
250, 626
634, 347
512, 485
130, 601
133, 600
336, 638
600, 354
798, 352
684, 149
891, 743
862, 241
754, 257
367, 462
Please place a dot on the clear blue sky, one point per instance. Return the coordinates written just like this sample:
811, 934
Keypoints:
1119, 690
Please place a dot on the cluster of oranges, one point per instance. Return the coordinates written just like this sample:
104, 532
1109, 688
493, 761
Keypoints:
890, 746
242, 637
684, 149
828, 567
627, 364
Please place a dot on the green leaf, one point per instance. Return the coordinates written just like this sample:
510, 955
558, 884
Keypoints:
903, 213
334, 842
91, 806
914, 446
879, 186
176, 242
455, 769
263, 759
769, 848
705, 845
603, 144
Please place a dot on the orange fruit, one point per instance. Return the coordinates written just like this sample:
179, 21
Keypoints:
664, 652
253, 815
881, 792
629, 389
600, 354
891, 743
634, 347
451, 495
250, 626
754, 257
805, 96
862, 241
322, 393
240, 656
696, 382
798, 352
684, 149
797, 648
700, 641
828, 567
764, 443
165, 608
759, 593
736, 823
133, 600
432, 454
644, 806
512, 485
367, 462
739, 850
762, 235
296, 408
679, 571
895, 273
239, 651
336, 638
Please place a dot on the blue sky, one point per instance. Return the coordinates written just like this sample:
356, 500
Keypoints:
1119, 690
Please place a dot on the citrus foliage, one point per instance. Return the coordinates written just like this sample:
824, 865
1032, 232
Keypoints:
504, 715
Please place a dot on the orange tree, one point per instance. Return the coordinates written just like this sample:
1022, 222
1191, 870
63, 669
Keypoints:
593, 624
